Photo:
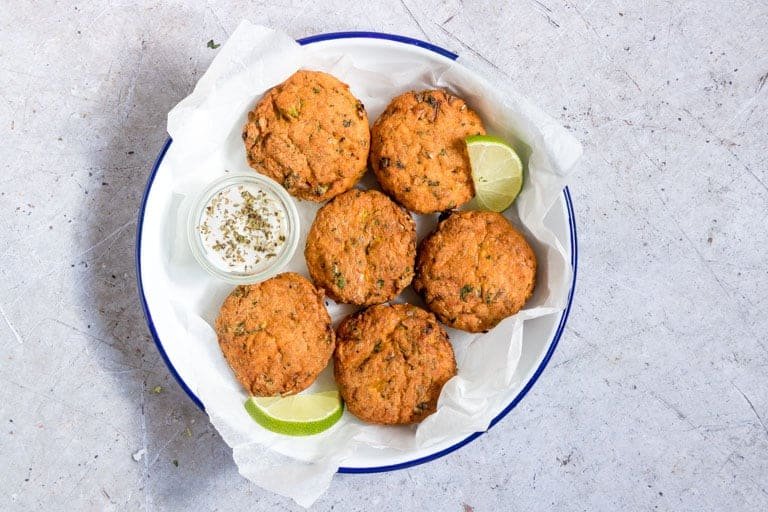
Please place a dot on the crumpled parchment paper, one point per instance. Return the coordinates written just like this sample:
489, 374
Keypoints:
205, 128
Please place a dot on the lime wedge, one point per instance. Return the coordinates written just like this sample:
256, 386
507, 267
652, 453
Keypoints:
496, 171
296, 415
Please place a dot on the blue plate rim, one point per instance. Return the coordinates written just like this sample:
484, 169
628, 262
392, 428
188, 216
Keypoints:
376, 469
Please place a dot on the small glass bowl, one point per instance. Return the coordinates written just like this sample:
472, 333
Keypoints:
272, 188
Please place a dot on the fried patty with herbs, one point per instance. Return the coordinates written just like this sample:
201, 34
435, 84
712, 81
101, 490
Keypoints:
475, 270
361, 248
309, 134
391, 362
418, 151
276, 335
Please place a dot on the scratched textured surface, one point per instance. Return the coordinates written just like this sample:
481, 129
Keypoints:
657, 396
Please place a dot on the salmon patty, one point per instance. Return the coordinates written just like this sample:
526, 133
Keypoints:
276, 335
361, 248
391, 362
309, 134
475, 270
418, 151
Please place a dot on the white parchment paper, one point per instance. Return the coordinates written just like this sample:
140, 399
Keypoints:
206, 127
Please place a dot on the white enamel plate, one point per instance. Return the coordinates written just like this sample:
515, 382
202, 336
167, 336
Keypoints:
541, 335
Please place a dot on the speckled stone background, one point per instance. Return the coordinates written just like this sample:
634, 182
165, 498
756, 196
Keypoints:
657, 397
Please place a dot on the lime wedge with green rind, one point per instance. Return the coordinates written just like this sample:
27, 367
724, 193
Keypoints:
296, 415
497, 172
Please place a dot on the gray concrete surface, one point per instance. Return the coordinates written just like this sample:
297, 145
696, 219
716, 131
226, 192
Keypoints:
657, 397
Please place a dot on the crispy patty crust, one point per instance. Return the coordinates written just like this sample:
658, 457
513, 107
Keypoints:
391, 362
475, 270
418, 151
276, 335
361, 248
310, 134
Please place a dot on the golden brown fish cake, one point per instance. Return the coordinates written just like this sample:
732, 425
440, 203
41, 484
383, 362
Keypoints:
310, 134
391, 362
361, 248
418, 151
475, 270
276, 335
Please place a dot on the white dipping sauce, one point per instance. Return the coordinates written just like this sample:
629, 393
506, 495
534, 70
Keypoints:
243, 228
